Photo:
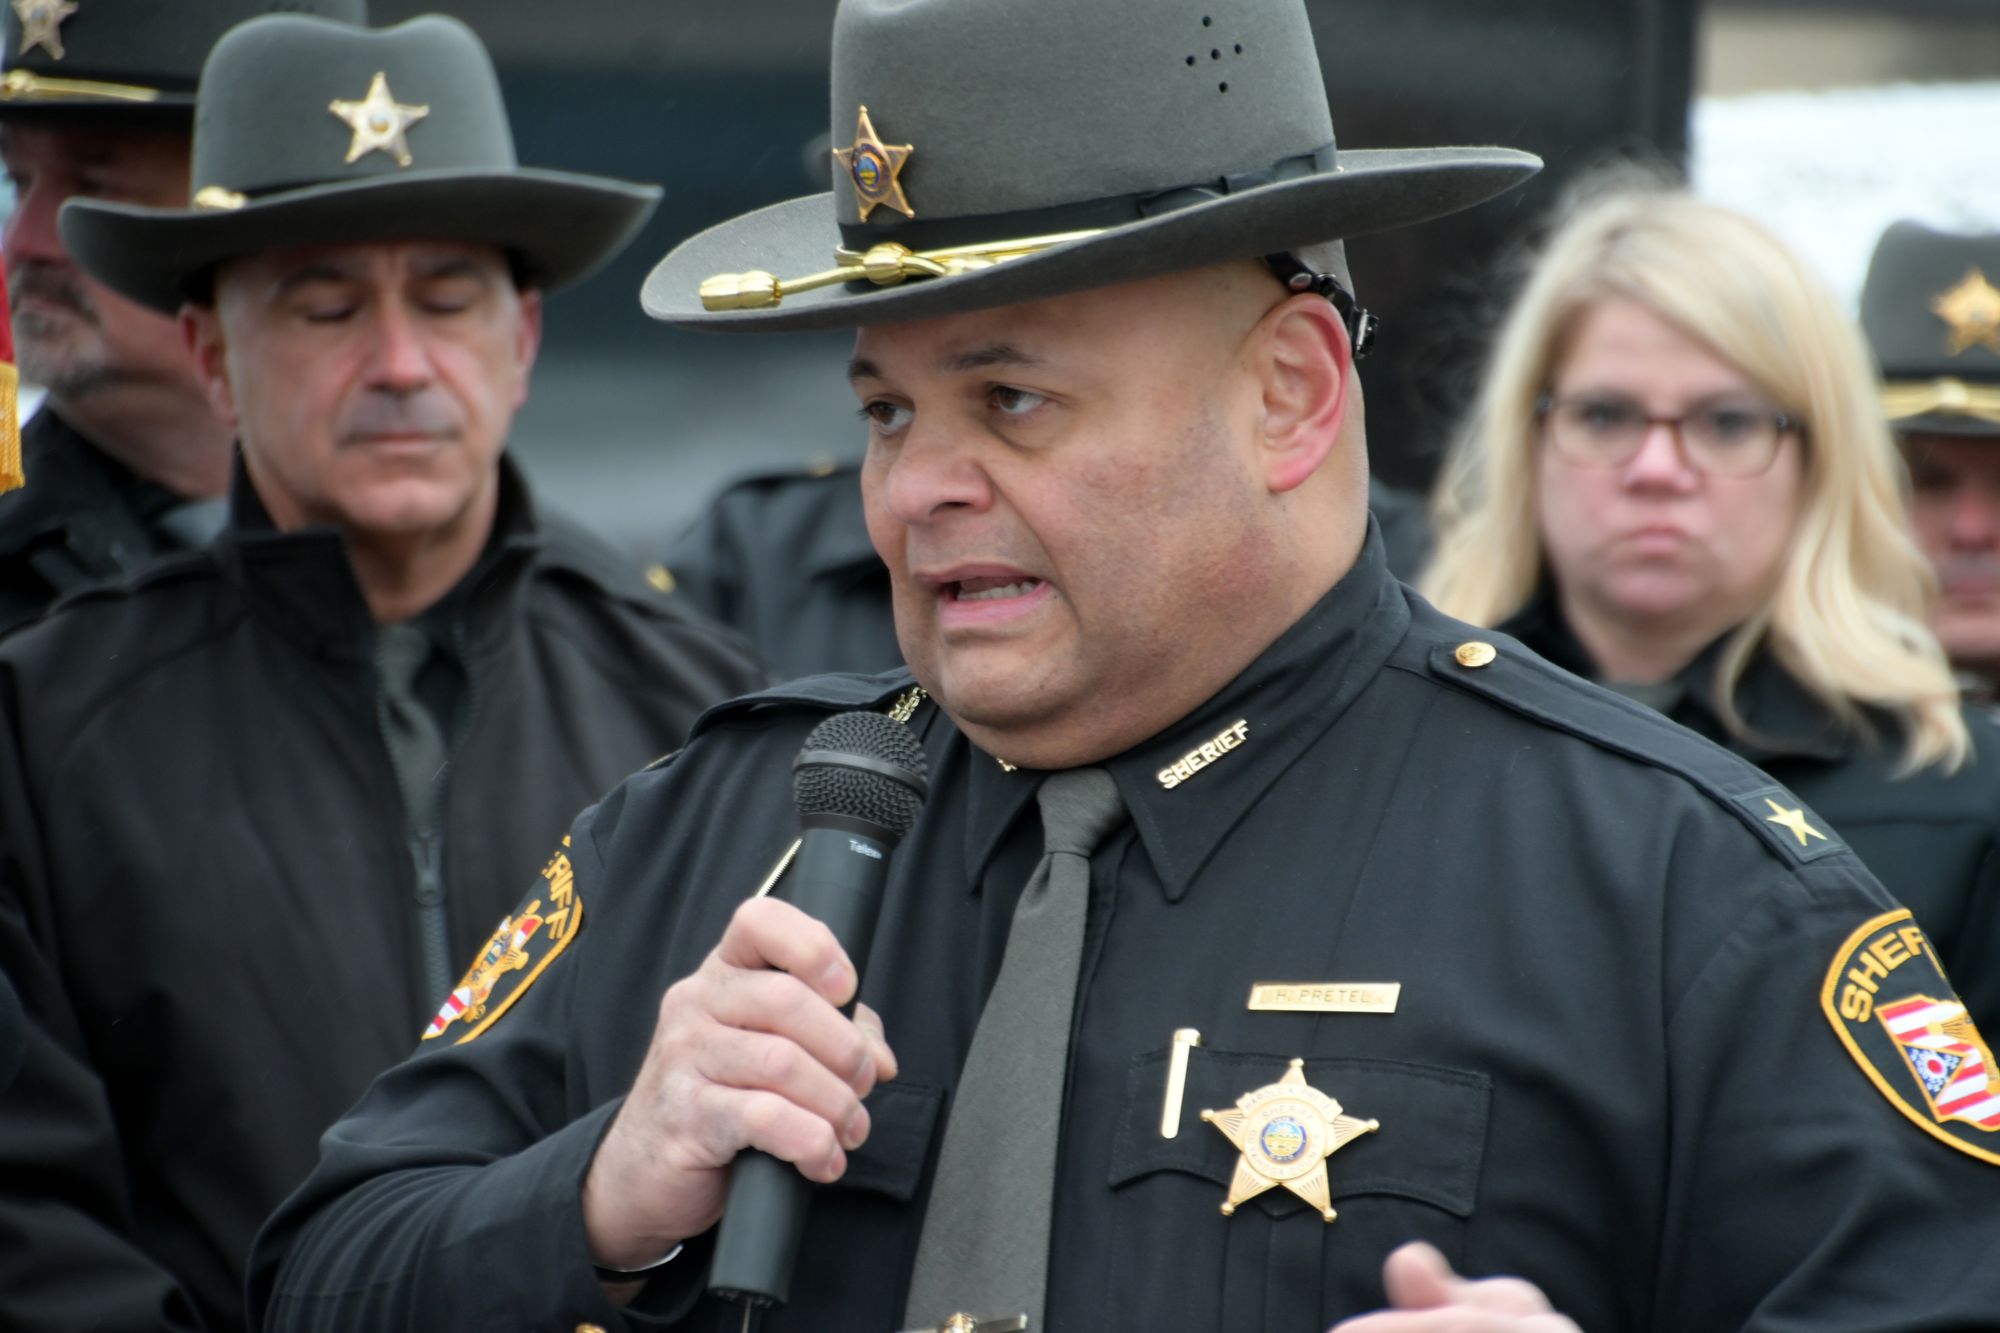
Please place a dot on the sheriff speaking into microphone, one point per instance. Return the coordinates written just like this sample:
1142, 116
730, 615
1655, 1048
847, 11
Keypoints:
1104, 1073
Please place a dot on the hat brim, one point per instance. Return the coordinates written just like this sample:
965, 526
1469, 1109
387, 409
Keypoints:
561, 226
167, 111
1946, 423
1371, 191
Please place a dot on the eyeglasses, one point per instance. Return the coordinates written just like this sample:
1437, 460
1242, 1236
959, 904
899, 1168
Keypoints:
1719, 439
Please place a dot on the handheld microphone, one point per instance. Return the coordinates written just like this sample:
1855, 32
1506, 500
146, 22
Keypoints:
859, 783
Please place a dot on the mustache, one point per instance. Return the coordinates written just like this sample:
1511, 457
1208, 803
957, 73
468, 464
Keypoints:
427, 412
54, 283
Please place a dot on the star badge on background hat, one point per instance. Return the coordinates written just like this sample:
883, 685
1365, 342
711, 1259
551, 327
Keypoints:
1011, 152
125, 59
311, 132
380, 122
41, 24
1932, 314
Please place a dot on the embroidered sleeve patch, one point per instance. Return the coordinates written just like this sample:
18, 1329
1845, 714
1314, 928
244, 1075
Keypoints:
526, 941
1898, 1016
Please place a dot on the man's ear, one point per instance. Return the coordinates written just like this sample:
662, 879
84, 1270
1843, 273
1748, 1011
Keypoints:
201, 334
528, 341
1305, 363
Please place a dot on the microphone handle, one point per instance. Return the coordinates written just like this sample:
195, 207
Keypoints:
837, 878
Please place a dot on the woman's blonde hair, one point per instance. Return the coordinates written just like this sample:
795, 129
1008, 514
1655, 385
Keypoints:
1846, 615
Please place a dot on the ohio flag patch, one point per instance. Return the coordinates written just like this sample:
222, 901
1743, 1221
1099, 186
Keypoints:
1894, 1010
526, 941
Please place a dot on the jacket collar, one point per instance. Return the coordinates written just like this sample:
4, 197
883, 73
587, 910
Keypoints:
1284, 700
71, 480
302, 582
1785, 720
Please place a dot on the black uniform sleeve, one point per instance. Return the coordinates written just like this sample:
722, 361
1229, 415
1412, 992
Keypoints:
67, 1257
1974, 958
1797, 1196
450, 1197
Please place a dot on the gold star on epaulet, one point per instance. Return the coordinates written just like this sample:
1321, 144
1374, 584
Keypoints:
1792, 820
41, 24
1972, 311
875, 168
379, 122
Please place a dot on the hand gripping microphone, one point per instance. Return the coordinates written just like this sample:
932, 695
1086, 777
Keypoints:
859, 783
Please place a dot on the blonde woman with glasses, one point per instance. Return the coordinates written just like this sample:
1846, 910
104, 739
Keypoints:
1675, 481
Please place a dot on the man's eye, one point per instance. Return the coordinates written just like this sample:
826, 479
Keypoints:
1929, 478
1015, 402
887, 418
325, 312
451, 299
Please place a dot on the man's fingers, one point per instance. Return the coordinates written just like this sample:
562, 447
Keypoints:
1504, 1295
1417, 1277
771, 1124
767, 933
870, 1023
780, 1004
1425, 1296
760, 1062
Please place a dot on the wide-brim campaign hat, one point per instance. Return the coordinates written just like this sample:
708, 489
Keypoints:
124, 61
312, 132
1931, 309
990, 153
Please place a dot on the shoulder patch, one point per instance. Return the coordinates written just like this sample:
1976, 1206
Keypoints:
1893, 1008
526, 941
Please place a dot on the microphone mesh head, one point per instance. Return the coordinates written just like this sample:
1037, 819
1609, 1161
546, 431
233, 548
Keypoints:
823, 785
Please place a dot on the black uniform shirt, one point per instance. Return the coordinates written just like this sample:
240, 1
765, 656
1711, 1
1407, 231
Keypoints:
1931, 837
1608, 1070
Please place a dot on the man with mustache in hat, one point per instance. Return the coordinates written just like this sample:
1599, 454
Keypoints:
125, 459
259, 803
1931, 309
1259, 921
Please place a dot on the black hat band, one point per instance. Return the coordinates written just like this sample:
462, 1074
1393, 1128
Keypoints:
1089, 215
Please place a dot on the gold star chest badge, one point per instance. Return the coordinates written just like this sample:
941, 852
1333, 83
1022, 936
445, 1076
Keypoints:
41, 24
875, 168
1286, 1131
1972, 312
380, 123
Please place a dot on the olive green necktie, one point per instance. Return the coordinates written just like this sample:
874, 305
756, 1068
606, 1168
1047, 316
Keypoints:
984, 1249
419, 752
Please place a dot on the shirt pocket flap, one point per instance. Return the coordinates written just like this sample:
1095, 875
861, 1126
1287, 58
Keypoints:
902, 1117
1429, 1148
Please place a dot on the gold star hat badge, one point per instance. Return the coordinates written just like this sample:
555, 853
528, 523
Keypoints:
1971, 310
876, 169
380, 123
1286, 1131
41, 24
